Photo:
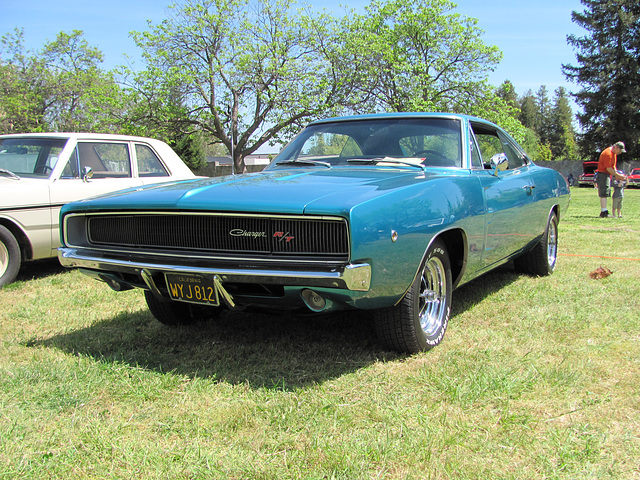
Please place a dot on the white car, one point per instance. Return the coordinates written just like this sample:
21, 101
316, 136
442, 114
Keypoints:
41, 172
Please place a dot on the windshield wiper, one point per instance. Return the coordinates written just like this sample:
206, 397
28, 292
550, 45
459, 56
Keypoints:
304, 163
375, 161
9, 174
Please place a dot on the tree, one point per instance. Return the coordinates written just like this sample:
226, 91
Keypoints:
190, 148
529, 110
59, 88
245, 73
22, 84
561, 133
421, 57
551, 133
507, 92
608, 60
543, 120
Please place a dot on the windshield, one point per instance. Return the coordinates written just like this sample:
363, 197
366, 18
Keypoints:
30, 157
386, 141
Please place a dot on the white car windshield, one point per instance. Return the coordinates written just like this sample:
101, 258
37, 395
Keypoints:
30, 157
381, 141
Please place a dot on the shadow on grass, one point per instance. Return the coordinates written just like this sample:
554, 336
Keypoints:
258, 349
39, 269
261, 350
477, 290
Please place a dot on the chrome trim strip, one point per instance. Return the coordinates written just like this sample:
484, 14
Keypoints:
355, 277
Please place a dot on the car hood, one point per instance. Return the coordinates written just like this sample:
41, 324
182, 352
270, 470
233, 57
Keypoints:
308, 191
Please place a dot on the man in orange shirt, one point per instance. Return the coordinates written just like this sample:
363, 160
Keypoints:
607, 169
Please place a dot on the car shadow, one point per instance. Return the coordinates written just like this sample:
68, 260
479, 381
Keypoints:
477, 290
253, 348
257, 349
39, 269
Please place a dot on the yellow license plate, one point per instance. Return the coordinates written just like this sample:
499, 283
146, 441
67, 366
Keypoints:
192, 288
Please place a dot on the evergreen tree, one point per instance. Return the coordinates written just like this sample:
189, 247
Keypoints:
507, 92
608, 65
190, 148
528, 110
543, 123
561, 133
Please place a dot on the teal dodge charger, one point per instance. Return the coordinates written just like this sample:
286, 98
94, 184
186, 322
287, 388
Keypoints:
388, 213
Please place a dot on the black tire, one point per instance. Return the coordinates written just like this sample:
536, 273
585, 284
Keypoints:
10, 257
419, 322
175, 314
541, 260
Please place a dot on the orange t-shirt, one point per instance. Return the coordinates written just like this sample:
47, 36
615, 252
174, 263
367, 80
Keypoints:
607, 159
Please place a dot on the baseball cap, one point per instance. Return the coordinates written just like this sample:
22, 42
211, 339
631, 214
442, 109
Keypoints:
620, 145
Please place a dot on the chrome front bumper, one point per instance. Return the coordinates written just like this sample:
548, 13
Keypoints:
356, 277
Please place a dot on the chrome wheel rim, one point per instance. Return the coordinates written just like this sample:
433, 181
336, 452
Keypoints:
4, 259
552, 244
433, 297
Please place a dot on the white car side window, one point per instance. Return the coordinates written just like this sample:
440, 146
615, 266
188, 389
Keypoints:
149, 165
107, 160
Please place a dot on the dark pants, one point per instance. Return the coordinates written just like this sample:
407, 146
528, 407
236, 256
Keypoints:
603, 181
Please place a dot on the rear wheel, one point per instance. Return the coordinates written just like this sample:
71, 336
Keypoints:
10, 257
541, 260
420, 320
175, 314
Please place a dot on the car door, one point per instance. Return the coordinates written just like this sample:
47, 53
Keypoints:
509, 196
110, 162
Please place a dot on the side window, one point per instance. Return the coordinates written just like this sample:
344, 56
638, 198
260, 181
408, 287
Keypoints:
149, 165
516, 160
489, 145
476, 158
107, 160
491, 142
71, 169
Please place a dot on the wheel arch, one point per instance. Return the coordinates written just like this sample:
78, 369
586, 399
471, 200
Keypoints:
555, 209
23, 241
457, 248
455, 241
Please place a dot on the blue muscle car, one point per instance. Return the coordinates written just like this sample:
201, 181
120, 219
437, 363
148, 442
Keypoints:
386, 212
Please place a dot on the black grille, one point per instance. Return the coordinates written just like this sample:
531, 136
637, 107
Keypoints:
222, 234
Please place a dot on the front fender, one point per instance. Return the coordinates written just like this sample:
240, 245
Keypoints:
393, 232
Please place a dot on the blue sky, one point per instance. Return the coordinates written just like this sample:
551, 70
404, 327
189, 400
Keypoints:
531, 34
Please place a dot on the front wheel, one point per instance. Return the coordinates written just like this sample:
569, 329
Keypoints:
419, 322
175, 314
10, 257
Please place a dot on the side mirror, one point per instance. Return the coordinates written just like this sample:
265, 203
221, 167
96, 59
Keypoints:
499, 163
87, 174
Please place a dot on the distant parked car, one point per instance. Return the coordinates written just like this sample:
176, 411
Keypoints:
634, 178
587, 179
386, 213
41, 172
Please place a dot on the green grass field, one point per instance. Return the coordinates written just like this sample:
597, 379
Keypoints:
536, 378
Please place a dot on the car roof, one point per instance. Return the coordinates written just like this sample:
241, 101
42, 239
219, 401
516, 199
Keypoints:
400, 115
79, 136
